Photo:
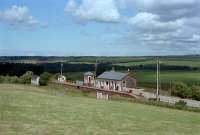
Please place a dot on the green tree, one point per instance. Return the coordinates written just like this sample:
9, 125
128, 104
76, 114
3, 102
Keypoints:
181, 90
26, 78
14, 79
180, 104
44, 78
7, 79
195, 92
1, 79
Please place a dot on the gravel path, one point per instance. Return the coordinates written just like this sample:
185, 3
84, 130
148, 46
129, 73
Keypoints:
167, 99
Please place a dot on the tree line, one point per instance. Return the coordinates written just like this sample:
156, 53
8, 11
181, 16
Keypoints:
26, 78
19, 69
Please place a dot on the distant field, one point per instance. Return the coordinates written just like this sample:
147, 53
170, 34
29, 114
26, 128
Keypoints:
190, 60
53, 111
148, 78
190, 63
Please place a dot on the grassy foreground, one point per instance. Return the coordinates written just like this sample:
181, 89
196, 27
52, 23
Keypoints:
54, 111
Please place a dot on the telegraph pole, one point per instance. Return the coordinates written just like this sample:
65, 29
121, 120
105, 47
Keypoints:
170, 87
96, 64
61, 68
158, 72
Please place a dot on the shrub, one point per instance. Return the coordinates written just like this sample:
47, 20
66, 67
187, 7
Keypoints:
9, 79
44, 78
181, 90
26, 78
14, 79
6, 79
195, 92
180, 104
1, 79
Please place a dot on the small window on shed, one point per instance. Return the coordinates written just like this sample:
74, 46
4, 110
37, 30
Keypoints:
124, 84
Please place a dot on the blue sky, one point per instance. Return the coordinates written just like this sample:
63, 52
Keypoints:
99, 27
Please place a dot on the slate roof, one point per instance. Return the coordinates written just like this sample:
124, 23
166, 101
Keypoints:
112, 75
61, 76
88, 73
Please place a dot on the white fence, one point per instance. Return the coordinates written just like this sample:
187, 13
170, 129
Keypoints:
102, 96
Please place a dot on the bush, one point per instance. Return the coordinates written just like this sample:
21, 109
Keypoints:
181, 90
9, 79
195, 92
180, 104
26, 78
14, 79
1, 79
184, 91
6, 79
44, 78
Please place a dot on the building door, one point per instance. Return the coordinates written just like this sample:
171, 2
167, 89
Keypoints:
107, 85
89, 79
115, 86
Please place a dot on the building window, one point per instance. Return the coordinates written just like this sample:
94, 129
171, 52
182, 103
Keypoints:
106, 82
124, 83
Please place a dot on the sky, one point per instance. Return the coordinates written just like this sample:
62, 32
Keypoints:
99, 27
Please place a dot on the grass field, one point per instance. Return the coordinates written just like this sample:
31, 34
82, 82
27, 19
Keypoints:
53, 111
190, 63
148, 78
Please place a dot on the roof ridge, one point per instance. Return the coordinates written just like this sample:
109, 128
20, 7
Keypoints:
112, 75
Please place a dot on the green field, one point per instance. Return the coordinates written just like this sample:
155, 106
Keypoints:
148, 78
189, 63
53, 111
190, 60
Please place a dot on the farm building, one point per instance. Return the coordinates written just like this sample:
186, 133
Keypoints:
110, 80
35, 80
89, 79
115, 81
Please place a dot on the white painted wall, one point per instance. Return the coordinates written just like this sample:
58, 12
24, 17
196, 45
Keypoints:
86, 79
61, 78
35, 82
108, 84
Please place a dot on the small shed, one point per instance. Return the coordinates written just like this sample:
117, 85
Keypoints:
89, 79
35, 80
61, 78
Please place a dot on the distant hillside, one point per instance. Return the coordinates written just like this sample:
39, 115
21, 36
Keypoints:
18, 65
92, 59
